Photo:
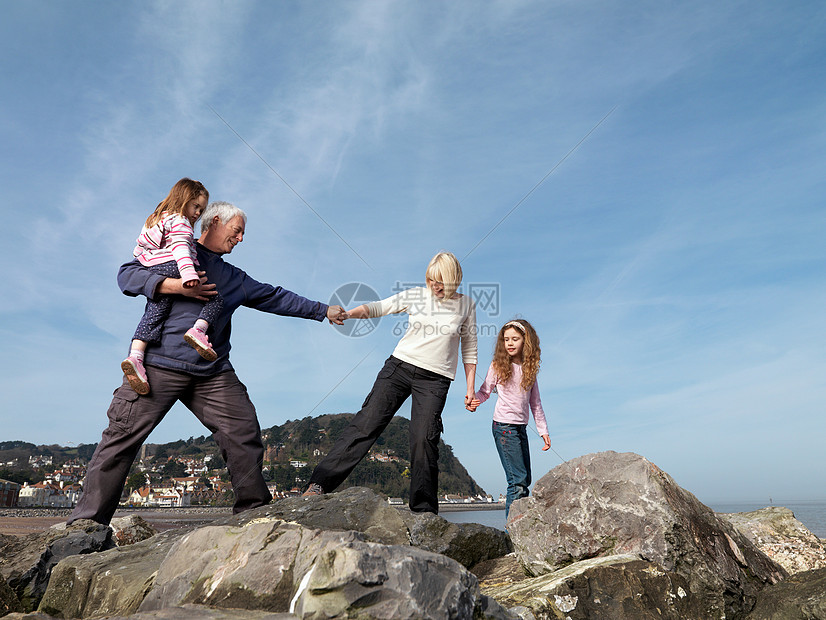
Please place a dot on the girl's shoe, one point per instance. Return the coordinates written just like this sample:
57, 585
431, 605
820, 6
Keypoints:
135, 374
198, 340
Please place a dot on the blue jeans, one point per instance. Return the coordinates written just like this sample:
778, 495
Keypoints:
512, 444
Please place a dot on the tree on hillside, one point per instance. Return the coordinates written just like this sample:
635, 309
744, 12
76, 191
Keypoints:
86, 450
335, 426
173, 469
21, 475
284, 476
307, 435
275, 435
136, 480
217, 461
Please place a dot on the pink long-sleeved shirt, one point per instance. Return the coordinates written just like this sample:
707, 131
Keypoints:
513, 403
172, 238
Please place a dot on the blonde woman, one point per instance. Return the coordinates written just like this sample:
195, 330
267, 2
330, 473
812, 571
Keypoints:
441, 322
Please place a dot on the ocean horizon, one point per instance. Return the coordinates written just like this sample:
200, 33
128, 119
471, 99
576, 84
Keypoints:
811, 513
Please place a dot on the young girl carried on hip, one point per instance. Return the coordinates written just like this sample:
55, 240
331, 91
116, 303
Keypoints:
166, 246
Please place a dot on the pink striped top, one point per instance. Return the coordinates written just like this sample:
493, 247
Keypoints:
172, 238
513, 403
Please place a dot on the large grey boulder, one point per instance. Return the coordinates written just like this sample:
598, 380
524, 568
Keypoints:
467, 543
776, 532
800, 597
619, 504
285, 567
266, 564
356, 508
26, 562
362, 510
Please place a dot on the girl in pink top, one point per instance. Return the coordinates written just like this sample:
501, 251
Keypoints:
166, 246
512, 375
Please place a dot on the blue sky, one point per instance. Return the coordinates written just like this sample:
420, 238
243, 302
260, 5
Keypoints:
672, 261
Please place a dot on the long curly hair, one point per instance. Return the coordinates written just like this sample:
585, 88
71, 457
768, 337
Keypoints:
531, 354
179, 196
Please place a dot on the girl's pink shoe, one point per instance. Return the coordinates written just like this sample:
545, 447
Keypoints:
198, 340
135, 374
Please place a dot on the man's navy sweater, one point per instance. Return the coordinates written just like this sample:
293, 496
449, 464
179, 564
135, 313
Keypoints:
237, 289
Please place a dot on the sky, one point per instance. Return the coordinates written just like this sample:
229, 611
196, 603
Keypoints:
642, 181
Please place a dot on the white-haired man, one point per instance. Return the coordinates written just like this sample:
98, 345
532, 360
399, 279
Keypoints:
211, 390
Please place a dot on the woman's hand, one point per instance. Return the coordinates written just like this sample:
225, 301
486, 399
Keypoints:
547, 441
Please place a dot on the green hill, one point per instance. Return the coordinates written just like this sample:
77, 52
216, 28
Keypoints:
384, 470
292, 451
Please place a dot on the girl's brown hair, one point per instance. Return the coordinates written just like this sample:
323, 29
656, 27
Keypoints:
530, 354
179, 196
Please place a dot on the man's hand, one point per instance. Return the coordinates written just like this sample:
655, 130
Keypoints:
202, 290
336, 315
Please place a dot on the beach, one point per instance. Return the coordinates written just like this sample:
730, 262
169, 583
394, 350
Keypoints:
23, 521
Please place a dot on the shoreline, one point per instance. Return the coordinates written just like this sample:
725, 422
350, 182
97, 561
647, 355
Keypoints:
22, 521
451, 507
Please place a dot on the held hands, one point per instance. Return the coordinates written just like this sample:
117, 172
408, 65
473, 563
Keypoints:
471, 402
337, 315
547, 441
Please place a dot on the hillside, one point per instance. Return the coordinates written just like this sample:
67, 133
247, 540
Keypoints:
292, 450
386, 467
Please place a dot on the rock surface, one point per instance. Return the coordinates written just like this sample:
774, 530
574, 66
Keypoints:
776, 532
362, 510
8, 599
26, 562
185, 612
621, 587
619, 504
278, 566
105, 584
801, 596
130, 530
606, 536
259, 561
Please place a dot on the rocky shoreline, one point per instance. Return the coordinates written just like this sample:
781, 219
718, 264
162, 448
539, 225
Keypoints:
617, 540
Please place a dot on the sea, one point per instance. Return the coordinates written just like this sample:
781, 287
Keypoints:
812, 513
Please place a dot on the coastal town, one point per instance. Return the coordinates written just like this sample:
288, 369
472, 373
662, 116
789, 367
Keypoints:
192, 472
200, 482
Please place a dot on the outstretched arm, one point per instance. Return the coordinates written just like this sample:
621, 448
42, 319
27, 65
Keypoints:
359, 312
